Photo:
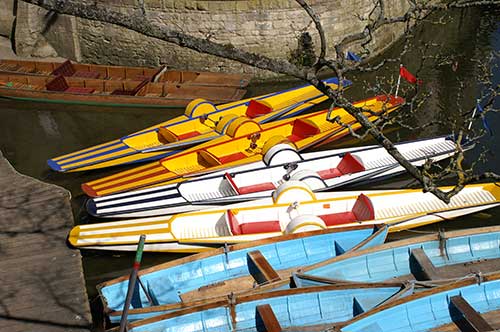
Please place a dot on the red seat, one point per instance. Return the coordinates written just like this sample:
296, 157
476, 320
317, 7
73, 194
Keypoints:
256, 109
132, 92
256, 188
64, 69
234, 225
362, 210
338, 218
86, 74
251, 227
59, 84
260, 227
349, 164
76, 89
232, 157
303, 128
249, 189
188, 135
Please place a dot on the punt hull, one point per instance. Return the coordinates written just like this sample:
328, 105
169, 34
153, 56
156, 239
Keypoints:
235, 186
200, 123
293, 208
250, 142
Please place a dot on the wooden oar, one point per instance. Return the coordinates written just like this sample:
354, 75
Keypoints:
131, 282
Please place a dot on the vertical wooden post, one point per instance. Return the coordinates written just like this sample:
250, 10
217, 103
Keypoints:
131, 282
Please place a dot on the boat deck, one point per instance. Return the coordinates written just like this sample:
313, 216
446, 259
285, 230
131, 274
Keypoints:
42, 282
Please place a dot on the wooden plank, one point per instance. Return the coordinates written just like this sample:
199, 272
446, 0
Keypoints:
476, 321
266, 317
260, 269
421, 266
42, 277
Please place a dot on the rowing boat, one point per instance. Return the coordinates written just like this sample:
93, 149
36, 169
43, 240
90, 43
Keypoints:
320, 170
165, 283
428, 259
245, 142
293, 208
425, 261
465, 305
304, 309
201, 122
119, 73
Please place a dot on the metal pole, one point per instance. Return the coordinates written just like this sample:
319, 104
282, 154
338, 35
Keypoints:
131, 282
473, 115
399, 81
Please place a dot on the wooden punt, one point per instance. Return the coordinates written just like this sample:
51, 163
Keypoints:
245, 142
164, 284
293, 208
472, 304
201, 122
320, 170
119, 73
303, 309
91, 91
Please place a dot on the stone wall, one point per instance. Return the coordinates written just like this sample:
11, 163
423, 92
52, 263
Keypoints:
270, 27
6, 17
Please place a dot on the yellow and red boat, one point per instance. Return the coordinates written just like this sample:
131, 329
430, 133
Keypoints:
292, 208
245, 141
201, 122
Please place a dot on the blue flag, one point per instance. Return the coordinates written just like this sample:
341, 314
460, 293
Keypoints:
352, 56
483, 117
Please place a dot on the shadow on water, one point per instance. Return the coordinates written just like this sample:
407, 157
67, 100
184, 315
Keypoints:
33, 133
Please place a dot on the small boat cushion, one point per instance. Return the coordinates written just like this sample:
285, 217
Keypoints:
251, 227
64, 69
348, 164
188, 135
338, 218
130, 92
362, 210
75, 89
256, 188
86, 74
303, 128
170, 137
59, 84
260, 227
256, 109
232, 157
249, 189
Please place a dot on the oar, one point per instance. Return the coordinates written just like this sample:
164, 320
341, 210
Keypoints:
131, 282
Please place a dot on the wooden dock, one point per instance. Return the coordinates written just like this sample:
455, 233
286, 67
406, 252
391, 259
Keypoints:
42, 287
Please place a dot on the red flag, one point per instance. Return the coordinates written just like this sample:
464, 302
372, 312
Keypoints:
408, 76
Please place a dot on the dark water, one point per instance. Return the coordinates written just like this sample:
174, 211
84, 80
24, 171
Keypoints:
33, 133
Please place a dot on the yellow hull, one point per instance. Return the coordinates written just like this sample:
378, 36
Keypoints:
400, 209
245, 142
201, 122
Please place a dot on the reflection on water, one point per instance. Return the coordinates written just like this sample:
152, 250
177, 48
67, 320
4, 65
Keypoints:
33, 133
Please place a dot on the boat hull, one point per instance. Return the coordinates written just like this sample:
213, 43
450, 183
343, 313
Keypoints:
195, 272
293, 208
199, 124
247, 146
260, 182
